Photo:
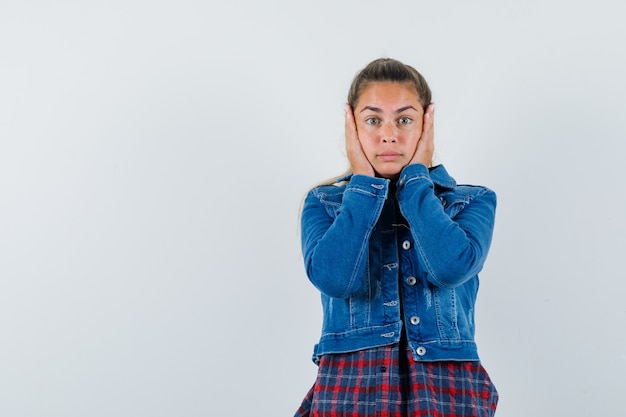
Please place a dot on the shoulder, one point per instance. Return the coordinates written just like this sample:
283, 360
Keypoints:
332, 192
472, 191
446, 184
455, 197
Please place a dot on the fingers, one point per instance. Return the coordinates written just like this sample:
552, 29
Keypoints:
429, 118
428, 127
350, 125
426, 144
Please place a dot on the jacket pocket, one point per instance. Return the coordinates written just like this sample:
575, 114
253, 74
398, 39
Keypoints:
446, 311
360, 301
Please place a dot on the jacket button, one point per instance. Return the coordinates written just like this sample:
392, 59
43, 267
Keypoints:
411, 280
421, 351
415, 320
406, 245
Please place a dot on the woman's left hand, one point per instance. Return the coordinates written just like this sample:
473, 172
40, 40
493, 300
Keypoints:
426, 143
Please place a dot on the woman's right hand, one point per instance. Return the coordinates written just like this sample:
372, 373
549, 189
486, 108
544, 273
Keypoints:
358, 161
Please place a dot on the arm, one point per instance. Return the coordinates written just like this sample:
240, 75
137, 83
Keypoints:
335, 249
452, 250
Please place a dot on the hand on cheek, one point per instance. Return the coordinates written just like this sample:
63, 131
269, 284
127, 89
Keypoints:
426, 143
358, 161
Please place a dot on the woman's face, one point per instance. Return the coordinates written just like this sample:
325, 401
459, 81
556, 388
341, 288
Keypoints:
389, 119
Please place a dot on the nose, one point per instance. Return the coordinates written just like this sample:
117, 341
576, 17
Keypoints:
388, 133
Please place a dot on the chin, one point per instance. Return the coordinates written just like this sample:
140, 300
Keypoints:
389, 172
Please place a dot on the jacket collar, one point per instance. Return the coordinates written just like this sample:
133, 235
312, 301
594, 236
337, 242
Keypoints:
441, 178
438, 175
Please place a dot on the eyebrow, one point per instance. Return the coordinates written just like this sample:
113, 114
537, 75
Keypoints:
378, 110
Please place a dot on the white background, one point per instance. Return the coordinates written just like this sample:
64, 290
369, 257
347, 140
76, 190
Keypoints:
154, 154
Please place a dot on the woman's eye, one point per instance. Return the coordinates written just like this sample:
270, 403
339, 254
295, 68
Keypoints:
404, 120
372, 121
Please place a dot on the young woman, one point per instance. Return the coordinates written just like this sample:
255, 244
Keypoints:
395, 248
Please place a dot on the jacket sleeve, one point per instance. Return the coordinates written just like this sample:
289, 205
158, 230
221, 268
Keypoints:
335, 246
451, 250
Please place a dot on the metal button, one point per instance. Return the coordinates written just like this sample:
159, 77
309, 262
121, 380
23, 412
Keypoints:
406, 245
411, 280
415, 320
421, 350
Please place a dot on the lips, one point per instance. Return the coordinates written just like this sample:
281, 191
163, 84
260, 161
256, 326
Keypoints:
389, 156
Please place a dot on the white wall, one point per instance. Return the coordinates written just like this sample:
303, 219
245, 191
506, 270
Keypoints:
153, 155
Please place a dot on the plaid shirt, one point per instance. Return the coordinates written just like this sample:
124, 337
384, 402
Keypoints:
386, 382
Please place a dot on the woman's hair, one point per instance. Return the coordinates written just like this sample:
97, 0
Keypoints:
391, 70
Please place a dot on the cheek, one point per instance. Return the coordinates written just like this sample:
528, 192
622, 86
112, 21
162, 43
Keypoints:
416, 128
413, 134
364, 130
368, 147
365, 137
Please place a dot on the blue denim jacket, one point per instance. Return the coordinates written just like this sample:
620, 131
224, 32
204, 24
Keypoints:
398, 257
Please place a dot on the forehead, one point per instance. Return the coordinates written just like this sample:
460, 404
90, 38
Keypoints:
388, 93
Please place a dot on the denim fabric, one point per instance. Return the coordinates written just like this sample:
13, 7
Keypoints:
389, 255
